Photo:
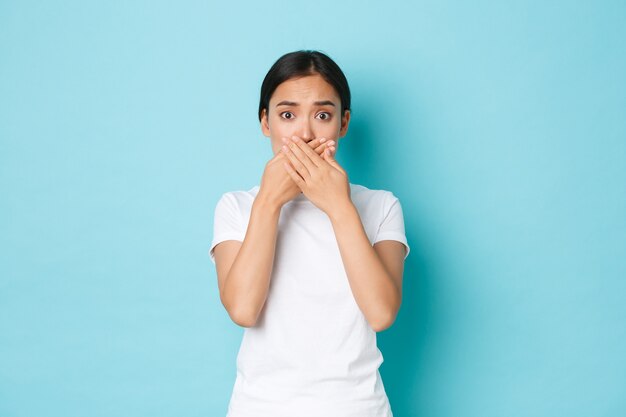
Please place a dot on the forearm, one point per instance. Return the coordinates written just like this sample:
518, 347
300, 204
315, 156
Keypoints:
373, 288
247, 284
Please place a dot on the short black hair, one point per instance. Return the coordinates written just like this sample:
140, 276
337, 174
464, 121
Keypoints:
299, 64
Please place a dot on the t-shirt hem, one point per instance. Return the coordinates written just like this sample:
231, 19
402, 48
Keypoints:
394, 236
220, 238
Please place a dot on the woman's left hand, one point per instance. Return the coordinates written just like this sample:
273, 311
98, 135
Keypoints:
321, 179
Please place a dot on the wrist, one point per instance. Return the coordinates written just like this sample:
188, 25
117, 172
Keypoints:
266, 204
342, 212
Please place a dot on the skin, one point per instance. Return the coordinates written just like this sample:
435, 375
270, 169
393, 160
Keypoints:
304, 138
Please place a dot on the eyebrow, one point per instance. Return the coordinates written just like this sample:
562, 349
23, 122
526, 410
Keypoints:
317, 103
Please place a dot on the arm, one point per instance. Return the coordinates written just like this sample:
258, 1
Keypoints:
375, 280
244, 268
374, 273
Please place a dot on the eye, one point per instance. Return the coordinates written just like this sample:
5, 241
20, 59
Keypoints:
326, 115
283, 114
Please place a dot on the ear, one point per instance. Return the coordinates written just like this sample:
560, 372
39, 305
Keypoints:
265, 126
345, 121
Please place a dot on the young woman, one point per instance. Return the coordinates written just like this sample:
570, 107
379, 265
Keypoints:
309, 263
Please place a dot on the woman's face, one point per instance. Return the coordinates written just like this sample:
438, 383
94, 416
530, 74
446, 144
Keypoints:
307, 107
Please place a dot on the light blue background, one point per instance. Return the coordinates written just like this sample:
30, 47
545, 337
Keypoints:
501, 126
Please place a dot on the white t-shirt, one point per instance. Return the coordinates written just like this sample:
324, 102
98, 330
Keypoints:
311, 352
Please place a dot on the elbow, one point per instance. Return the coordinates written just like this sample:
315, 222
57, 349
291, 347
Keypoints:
243, 320
383, 322
239, 316
245, 323
386, 318
242, 317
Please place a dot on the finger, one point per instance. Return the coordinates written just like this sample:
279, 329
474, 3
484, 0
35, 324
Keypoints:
328, 144
321, 142
320, 149
305, 154
323, 146
313, 144
329, 156
318, 144
299, 148
294, 175
295, 161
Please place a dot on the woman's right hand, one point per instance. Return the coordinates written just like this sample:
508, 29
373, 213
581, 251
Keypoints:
277, 186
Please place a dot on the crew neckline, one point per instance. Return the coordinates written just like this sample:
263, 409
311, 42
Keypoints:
300, 197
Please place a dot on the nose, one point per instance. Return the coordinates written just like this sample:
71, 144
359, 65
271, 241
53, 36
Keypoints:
305, 131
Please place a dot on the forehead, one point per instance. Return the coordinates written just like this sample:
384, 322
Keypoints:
304, 89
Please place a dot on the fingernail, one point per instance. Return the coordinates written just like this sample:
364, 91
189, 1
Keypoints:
330, 143
322, 140
284, 140
294, 138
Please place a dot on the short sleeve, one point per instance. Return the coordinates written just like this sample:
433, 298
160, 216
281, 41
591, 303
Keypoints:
226, 223
392, 225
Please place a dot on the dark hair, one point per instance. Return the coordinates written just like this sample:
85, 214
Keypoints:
299, 64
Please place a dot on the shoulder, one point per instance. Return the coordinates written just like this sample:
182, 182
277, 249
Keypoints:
371, 196
241, 196
236, 202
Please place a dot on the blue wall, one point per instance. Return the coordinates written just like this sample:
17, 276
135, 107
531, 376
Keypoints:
500, 126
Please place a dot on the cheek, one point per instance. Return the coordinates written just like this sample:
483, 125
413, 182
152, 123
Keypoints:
278, 129
329, 131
